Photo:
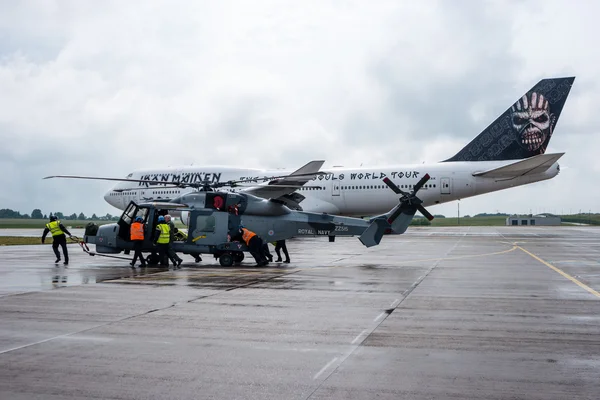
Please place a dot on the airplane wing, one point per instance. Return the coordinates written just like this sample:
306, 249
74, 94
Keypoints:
283, 188
533, 165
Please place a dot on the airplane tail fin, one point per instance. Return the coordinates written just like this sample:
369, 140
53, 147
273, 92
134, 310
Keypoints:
525, 129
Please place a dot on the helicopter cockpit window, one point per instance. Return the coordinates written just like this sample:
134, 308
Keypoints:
205, 223
142, 212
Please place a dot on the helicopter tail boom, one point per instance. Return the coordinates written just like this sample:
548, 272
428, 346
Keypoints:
381, 225
373, 234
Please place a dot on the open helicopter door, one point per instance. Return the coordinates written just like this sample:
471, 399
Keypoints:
126, 220
131, 212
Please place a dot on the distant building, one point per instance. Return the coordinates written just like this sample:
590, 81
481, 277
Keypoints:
533, 220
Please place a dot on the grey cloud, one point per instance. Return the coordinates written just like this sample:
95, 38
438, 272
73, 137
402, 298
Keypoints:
105, 91
421, 105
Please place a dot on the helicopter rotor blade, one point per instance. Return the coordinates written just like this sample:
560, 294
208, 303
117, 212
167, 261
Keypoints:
409, 202
395, 214
421, 182
196, 185
393, 186
265, 179
425, 213
103, 178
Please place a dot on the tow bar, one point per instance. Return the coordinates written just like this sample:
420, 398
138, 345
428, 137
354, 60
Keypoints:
86, 249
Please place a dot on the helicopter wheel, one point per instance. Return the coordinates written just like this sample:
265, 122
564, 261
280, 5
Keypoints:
238, 256
226, 260
152, 259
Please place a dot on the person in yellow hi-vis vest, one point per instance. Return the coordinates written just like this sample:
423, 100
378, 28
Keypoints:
162, 238
172, 231
58, 232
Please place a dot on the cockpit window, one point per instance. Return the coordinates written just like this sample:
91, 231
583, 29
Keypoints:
142, 212
129, 176
129, 213
205, 223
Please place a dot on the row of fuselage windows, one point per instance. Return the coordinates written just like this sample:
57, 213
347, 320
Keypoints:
153, 192
359, 187
364, 187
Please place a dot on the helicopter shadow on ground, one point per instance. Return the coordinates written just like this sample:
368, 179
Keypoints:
205, 274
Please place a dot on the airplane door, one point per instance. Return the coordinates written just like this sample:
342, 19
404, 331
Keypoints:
335, 188
445, 185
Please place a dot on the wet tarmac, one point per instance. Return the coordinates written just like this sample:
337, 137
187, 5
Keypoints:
437, 313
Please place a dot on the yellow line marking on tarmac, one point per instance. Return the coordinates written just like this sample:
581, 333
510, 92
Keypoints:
569, 277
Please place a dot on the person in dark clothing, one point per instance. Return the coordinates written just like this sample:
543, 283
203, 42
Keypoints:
58, 232
254, 243
266, 253
280, 245
137, 238
175, 259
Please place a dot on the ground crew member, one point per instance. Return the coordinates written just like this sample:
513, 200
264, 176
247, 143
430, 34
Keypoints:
137, 238
280, 245
266, 253
162, 238
254, 243
172, 231
58, 238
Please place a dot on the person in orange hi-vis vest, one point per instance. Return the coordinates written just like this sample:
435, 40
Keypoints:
137, 238
254, 243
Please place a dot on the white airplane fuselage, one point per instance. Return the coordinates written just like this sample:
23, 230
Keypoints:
343, 191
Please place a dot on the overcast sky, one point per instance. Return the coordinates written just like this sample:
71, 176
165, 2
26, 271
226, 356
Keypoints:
103, 88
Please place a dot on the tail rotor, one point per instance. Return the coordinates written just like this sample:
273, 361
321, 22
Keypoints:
399, 217
409, 203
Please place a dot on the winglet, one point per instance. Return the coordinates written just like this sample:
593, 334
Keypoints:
277, 188
311, 167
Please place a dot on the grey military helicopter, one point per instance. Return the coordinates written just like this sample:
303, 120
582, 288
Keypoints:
213, 216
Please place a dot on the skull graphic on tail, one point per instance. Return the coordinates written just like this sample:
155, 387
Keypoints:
532, 121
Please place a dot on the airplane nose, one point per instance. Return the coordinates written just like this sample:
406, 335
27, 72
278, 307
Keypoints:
107, 198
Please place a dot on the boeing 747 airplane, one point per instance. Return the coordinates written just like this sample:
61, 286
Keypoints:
510, 152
